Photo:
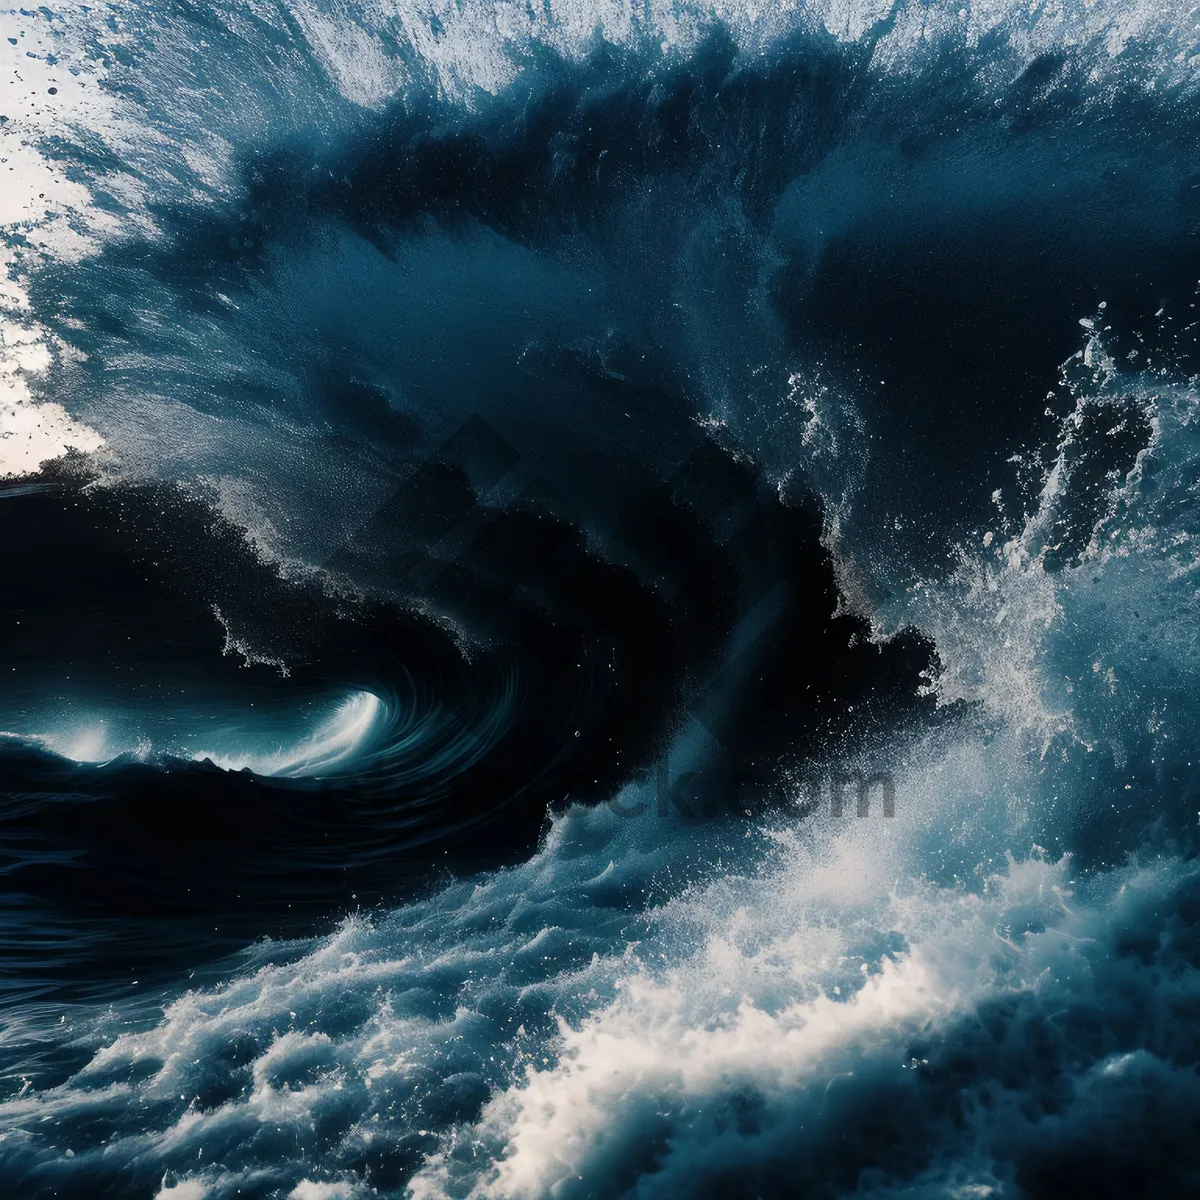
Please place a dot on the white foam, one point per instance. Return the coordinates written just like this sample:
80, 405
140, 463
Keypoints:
756, 1010
792, 982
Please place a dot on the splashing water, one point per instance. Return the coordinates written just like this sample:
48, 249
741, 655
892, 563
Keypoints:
465, 425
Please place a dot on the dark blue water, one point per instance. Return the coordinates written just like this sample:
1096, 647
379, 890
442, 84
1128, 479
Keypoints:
484, 487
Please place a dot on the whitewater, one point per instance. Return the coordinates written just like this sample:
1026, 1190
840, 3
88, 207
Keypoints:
839, 362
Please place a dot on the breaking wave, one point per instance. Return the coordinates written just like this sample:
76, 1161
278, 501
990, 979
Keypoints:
481, 482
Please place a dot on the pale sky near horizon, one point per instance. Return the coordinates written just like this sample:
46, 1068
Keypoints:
34, 198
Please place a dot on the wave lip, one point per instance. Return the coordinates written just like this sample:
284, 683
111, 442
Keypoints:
394, 232
334, 743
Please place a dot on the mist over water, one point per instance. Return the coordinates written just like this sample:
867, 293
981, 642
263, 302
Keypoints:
477, 481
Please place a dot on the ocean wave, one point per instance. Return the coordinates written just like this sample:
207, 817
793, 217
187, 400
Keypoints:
463, 457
